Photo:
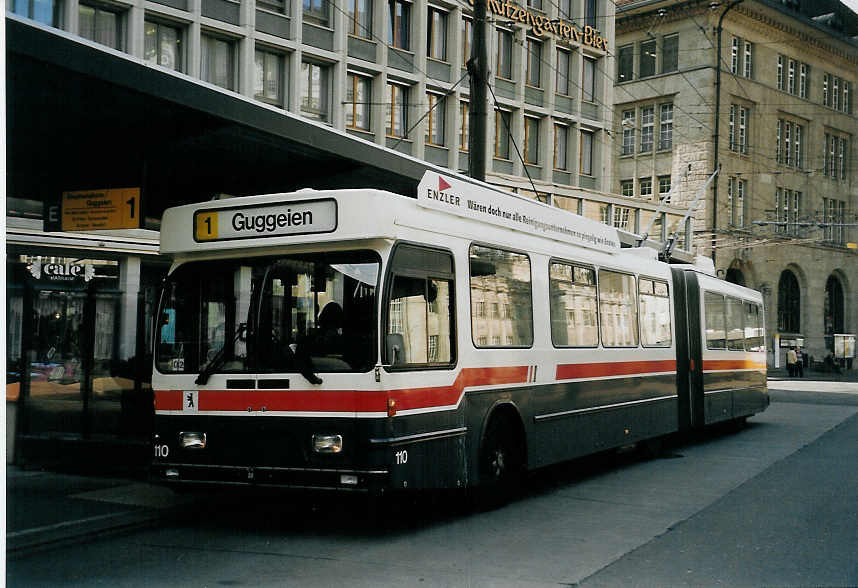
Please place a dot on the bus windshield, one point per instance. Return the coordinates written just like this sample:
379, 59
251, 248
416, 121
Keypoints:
302, 313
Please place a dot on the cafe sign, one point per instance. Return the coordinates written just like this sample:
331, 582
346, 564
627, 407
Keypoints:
61, 272
542, 25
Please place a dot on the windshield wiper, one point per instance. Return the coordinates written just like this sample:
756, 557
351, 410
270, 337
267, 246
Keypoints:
220, 357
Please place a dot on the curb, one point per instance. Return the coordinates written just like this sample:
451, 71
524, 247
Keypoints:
28, 540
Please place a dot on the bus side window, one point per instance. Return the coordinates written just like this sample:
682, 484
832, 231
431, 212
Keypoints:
420, 329
716, 331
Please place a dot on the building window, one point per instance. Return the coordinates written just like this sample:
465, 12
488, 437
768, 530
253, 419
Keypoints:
803, 80
791, 76
533, 75
628, 132
314, 91
561, 152
665, 136
670, 54
626, 63
778, 139
268, 86
627, 188
787, 143
645, 188
646, 67
586, 160
789, 303
835, 93
531, 140
647, 128
842, 159
44, 11
734, 56
502, 133
463, 126
797, 146
826, 98
317, 12
358, 101
739, 128
436, 44
738, 212
847, 97
360, 18
217, 61
664, 184
590, 11
535, 4
399, 24
436, 122
588, 84
565, 8
101, 26
621, 217
780, 72
163, 45
467, 39
748, 63
397, 110
564, 86
504, 55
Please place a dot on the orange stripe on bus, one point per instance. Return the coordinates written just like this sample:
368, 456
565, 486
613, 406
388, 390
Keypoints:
732, 364
573, 371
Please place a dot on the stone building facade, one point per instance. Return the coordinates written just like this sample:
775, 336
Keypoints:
782, 127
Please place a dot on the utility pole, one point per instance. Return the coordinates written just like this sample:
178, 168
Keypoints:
478, 73
718, 122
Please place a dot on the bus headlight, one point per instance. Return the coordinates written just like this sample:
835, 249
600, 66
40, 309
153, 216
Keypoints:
192, 440
327, 443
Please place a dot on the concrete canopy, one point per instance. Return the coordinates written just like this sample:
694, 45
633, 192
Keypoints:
85, 117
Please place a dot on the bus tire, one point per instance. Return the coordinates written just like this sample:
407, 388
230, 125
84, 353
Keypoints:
502, 463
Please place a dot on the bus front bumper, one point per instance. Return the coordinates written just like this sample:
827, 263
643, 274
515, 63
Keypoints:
181, 474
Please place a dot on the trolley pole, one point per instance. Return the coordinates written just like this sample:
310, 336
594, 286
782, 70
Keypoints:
478, 73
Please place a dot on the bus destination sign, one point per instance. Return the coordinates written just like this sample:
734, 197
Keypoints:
93, 210
250, 222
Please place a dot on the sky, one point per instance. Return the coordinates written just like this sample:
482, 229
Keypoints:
853, 4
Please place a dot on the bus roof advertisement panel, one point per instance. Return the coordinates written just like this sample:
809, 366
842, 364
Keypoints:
275, 220
453, 196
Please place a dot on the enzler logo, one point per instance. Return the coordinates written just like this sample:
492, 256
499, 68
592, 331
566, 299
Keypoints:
61, 272
442, 194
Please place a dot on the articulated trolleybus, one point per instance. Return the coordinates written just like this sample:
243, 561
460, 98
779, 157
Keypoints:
364, 340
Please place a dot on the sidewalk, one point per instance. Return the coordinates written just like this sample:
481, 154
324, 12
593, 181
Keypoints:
45, 508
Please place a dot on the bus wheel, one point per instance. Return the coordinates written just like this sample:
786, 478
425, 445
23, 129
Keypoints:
501, 464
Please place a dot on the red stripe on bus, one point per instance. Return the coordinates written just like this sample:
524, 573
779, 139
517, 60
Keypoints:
168, 400
573, 371
732, 364
344, 400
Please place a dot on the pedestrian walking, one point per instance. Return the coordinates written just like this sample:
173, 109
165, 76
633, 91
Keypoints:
799, 362
791, 358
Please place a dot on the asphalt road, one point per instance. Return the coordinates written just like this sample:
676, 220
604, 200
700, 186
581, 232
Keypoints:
775, 503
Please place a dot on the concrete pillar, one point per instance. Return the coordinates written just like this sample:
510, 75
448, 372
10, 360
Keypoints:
129, 285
